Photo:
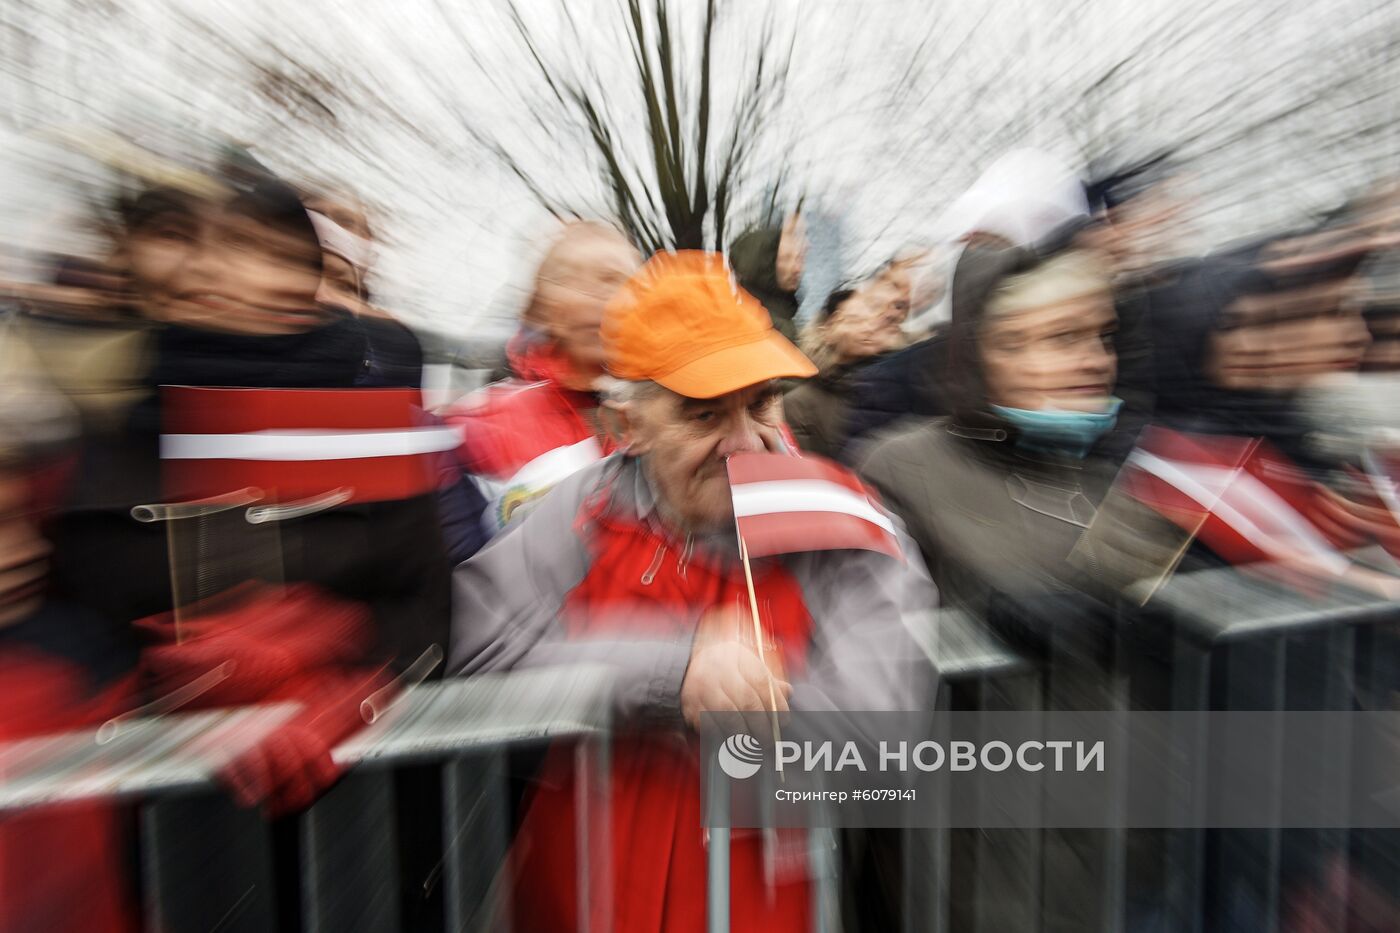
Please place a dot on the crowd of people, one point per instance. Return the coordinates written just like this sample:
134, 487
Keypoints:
1053, 406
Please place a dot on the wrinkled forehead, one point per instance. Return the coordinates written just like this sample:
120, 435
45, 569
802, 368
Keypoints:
743, 398
1090, 310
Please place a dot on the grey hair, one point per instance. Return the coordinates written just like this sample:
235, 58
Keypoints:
622, 391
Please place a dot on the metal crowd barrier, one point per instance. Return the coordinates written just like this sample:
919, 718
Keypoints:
1211, 640
1215, 640
208, 865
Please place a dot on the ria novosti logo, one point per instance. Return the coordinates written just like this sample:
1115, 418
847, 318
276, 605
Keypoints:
740, 756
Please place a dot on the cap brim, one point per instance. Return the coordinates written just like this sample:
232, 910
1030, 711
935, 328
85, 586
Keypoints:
733, 368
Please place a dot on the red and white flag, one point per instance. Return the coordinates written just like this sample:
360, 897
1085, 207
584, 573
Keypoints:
376, 444
784, 504
1240, 497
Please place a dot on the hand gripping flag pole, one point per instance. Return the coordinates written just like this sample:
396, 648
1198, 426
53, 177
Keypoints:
758, 640
785, 504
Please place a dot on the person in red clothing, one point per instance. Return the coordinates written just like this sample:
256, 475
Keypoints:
524, 434
62, 867
633, 563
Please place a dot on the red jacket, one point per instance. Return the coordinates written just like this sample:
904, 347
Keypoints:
592, 575
658, 865
507, 424
61, 867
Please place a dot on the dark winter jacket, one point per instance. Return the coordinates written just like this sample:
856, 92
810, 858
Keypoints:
818, 409
898, 386
387, 554
995, 523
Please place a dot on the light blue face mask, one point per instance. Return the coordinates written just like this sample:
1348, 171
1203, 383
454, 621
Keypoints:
1072, 433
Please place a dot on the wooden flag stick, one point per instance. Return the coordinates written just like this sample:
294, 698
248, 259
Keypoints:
758, 640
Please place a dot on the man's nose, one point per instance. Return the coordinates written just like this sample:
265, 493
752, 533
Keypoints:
742, 437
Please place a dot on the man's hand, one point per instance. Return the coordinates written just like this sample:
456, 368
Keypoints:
727, 676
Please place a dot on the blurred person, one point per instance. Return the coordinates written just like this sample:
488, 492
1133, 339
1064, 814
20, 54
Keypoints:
1138, 225
1258, 383
61, 668
1142, 215
997, 493
1027, 198
342, 228
231, 287
633, 563
1250, 358
853, 328
1000, 492
522, 435
892, 286
921, 272
769, 266
87, 338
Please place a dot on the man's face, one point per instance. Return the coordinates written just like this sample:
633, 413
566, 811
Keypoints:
683, 444
864, 326
1057, 356
1281, 342
792, 254
23, 553
224, 271
576, 281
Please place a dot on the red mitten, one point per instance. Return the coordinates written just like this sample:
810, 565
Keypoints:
292, 766
261, 637
1354, 520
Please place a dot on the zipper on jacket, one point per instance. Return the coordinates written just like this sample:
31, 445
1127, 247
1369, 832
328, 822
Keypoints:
649, 574
683, 561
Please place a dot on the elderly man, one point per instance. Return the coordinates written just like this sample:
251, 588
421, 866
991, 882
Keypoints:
634, 563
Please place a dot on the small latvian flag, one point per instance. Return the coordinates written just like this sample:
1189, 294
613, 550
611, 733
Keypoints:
377, 444
784, 504
1240, 497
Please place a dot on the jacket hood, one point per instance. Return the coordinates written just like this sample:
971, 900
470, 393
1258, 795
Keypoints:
1186, 315
979, 271
754, 259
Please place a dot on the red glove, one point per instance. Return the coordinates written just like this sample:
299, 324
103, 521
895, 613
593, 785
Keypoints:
290, 768
271, 643
1354, 520
263, 636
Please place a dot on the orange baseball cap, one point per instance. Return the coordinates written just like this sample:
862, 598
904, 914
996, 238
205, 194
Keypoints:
682, 322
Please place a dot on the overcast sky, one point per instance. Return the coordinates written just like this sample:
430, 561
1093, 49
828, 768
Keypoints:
892, 108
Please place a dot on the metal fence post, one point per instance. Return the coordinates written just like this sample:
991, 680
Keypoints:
349, 857
717, 862
207, 865
475, 838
